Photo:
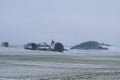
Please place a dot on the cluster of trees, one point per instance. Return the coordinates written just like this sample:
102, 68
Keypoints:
5, 44
33, 46
91, 45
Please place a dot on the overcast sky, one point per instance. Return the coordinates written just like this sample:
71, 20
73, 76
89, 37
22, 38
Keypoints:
68, 21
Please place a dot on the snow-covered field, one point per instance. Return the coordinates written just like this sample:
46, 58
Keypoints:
20, 64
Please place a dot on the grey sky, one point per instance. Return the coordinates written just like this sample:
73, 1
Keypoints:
68, 21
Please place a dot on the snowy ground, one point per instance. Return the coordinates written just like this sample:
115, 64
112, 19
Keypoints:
20, 64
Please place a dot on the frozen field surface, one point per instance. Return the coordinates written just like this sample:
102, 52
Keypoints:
20, 64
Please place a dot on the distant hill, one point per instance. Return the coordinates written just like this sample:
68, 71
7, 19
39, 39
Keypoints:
91, 45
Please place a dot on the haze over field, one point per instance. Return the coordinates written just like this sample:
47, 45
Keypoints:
67, 21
